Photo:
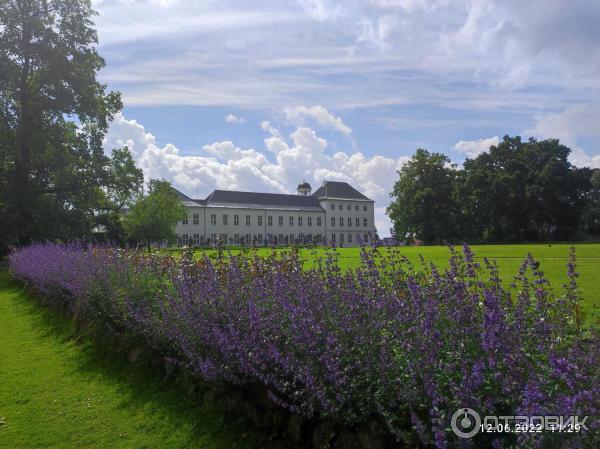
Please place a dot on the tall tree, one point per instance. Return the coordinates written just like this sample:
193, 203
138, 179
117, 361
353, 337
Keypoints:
590, 221
522, 191
122, 188
53, 116
423, 198
154, 217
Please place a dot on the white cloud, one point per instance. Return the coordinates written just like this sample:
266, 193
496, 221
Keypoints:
278, 168
473, 148
580, 158
574, 126
234, 119
321, 10
298, 114
272, 54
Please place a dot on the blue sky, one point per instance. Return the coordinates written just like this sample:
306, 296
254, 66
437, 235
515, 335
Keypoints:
260, 95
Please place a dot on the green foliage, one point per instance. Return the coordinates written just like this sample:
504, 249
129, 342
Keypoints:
53, 116
517, 191
124, 186
423, 198
154, 217
590, 221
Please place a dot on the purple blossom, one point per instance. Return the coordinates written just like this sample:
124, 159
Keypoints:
410, 345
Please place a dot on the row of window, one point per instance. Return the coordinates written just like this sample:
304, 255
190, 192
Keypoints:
365, 238
236, 220
300, 221
237, 239
348, 207
349, 221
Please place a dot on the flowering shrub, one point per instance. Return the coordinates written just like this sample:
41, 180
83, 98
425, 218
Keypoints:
386, 340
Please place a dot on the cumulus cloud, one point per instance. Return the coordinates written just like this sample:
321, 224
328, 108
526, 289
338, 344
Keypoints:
234, 119
575, 126
473, 148
276, 168
297, 115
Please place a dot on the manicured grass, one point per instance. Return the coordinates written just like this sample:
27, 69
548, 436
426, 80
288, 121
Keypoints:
56, 392
553, 260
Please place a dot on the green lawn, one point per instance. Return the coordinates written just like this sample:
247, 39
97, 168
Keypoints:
56, 392
553, 260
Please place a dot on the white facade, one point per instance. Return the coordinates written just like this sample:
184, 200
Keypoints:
269, 219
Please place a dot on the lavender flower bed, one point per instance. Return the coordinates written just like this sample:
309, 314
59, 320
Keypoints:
387, 341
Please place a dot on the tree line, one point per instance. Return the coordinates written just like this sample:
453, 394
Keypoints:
518, 191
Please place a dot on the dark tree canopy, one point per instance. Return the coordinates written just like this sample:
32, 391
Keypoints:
517, 191
53, 116
423, 198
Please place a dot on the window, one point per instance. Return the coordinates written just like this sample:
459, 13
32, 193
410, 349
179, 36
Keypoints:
341, 238
260, 220
341, 222
184, 239
318, 238
309, 221
213, 238
196, 218
333, 207
365, 222
291, 238
281, 221
349, 222
185, 220
259, 237
224, 238
224, 219
247, 220
281, 238
357, 238
196, 239
291, 222
236, 239
333, 238
341, 207
349, 207
236, 220
349, 238
318, 221
213, 219
364, 208
356, 208
366, 238
332, 221
357, 222
248, 239
300, 221
270, 220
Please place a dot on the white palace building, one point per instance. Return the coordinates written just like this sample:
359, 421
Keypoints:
335, 213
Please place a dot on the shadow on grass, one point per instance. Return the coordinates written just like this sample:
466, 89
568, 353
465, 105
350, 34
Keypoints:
138, 385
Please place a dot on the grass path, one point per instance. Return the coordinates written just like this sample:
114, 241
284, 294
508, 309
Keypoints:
56, 392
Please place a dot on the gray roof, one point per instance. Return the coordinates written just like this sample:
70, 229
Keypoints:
339, 190
232, 198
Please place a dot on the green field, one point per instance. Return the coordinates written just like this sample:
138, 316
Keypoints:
57, 392
553, 260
